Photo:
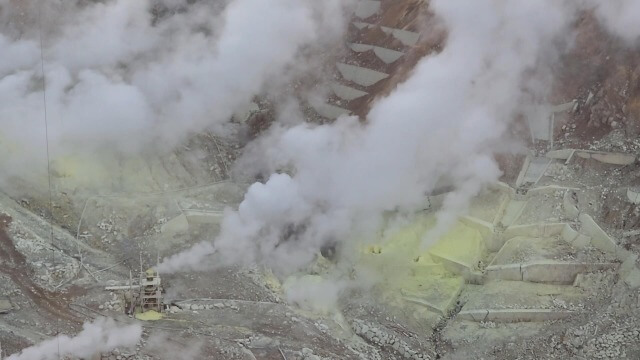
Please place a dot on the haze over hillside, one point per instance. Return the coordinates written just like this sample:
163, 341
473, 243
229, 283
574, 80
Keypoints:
299, 179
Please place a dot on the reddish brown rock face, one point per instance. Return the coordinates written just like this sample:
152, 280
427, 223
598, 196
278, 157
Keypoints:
601, 72
13, 264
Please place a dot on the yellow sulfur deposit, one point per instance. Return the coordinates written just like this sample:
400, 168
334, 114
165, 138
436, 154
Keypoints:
150, 315
410, 276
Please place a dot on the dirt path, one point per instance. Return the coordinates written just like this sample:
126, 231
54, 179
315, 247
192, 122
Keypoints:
14, 265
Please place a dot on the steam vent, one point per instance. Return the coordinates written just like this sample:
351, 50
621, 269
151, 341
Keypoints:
319, 179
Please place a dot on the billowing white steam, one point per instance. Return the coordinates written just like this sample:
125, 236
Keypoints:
619, 17
102, 335
118, 79
442, 122
314, 293
165, 346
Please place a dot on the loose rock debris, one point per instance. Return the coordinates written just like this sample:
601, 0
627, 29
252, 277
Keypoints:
239, 314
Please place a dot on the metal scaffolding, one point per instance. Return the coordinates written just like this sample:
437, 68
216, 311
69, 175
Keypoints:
150, 291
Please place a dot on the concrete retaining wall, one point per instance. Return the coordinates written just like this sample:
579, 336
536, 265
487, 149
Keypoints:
330, 111
575, 238
599, 238
523, 171
367, 8
467, 271
608, 158
562, 154
560, 273
362, 25
604, 157
569, 205
346, 92
549, 189
388, 56
359, 75
633, 195
486, 229
564, 107
177, 225
534, 230
629, 272
198, 217
513, 315
407, 38
547, 272
504, 187
504, 272
568, 234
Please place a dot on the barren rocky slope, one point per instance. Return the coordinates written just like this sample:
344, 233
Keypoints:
544, 265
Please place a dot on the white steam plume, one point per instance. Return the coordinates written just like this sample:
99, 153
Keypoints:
119, 78
620, 18
314, 293
100, 336
165, 346
443, 122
